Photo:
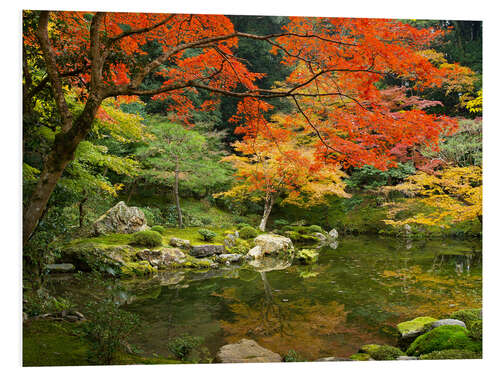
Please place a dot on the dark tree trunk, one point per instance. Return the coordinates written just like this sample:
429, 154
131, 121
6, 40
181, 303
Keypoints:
81, 210
176, 193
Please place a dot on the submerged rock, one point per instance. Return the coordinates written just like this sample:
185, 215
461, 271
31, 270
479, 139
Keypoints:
62, 267
200, 251
246, 351
273, 243
120, 219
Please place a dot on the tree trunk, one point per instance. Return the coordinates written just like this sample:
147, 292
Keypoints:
62, 152
80, 209
176, 193
131, 191
267, 210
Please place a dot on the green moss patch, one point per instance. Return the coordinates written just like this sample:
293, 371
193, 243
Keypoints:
467, 316
360, 357
442, 338
307, 256
415, 326
369, 348
386, 353
452, 354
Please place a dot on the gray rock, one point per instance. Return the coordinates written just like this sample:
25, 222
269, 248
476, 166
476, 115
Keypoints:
200, 251
273, 243
62, 267
231, 258
334, 244
179, 242
255, 252
230, 240
333, 234
246, 351
406, 358
121, 219
447, 322
165, 257
320, 236
333, 359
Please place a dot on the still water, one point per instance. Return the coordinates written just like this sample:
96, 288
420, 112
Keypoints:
354, 295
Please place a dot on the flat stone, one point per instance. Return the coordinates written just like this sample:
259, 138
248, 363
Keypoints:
447, 322
62, 267
333, 359
200, 251
246, 351
231, 258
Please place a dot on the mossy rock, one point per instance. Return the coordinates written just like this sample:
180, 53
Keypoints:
468, 316
140, 268
240, 246
315, 228
158, 228
369, 348
452, 354
360, 357
386, 353
476, 329
442, 338
415, 327
147, 238
307, 256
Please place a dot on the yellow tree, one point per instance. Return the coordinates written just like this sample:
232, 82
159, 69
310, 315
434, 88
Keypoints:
455, 194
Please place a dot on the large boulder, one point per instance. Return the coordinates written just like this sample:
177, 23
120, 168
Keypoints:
201, 251
273, 243
165, 257
121, 219
246, 351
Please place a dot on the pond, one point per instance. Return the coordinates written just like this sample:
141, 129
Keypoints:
354, 295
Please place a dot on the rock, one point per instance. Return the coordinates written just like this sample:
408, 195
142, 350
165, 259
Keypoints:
231, 258
255, 252
273, 243
334, 244
320, 236
179, 242
410, 329
62, 267
200, 251
230, 240
121, 219
168, 256
246, 351
447, 322
406, 358
406, 229
333, 234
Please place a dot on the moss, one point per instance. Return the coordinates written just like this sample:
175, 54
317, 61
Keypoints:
476, 329
138, 269
452, 354
109, 239
147, 238
240, 246
158, 228
467, 316
360, 357
193, 236
369, 348
192, 262
248, 232
315, 228
441, 338
307, 256
415, 325
386, 353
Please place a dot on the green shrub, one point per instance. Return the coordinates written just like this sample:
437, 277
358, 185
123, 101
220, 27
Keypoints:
292, 356
386, 353
107, 328
476, 329
158, 228
360, 357
441, 338
41, 302
281, 222
153, 215
147, 238
207, 234
181, 346
248, 232
451, 354
467, 316
240, 246
315, 228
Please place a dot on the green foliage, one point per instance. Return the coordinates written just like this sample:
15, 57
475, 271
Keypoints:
240, 246
315, 228
452, 354
107, 328
181, 346
476, 329
414, 325
281, 222
41, 302
147, 238
386, 353
158, 228
360, 357
154, 216
441, 338
468, 316
292, 356
369, 177
247, 232
307, 256
207, 234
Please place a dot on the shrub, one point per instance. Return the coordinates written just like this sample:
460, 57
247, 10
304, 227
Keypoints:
386, 353
41, 302
292, 356
248, 232
360, 357
181, 346
441, 338
158, 228
315, 228
451, 354
476, 329
240, 247
467, 316
207, 234
280, 222
107, 329
153, 215
147, 238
